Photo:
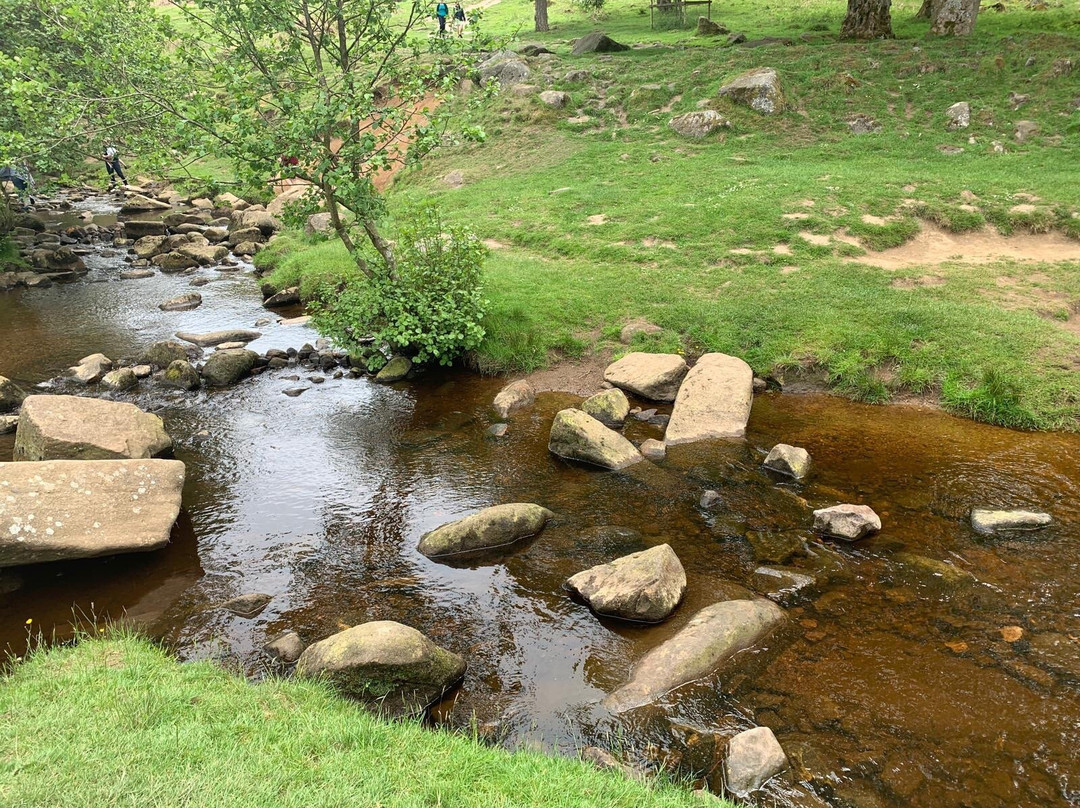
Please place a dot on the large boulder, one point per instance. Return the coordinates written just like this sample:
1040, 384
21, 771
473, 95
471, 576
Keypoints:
91, 368
699, 124
260, 219
753, 757
161, 354
712, 637
286, 297
148, 246
609, 407
492, 527
597, 42
205, 254
576, 435
384, 663
395, 370
225, 368
706, 27
988, 521
138, 229
645, 586
58, 510
556, 99
758, 89
514, 396
213, 338
847, 522
507, 71
790, 460
75, 428
653, 376
172, 262
11, 395
713, 402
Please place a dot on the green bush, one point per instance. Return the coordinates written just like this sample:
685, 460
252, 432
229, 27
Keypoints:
430, 308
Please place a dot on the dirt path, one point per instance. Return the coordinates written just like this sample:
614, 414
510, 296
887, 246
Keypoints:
935, 246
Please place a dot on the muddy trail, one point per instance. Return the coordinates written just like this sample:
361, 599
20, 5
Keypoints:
925, 666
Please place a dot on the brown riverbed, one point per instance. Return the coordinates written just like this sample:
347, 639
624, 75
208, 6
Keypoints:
899, 682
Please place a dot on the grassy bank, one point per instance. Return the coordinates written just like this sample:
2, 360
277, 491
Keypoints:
743, 242
118, 722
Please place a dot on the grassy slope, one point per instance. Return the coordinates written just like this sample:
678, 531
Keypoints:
117, 722
991, 341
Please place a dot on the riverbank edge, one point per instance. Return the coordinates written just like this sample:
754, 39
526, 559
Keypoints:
116, 720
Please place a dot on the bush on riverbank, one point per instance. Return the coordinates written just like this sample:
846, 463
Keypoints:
118, 722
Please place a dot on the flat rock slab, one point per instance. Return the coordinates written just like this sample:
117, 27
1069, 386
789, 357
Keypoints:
712, 637
714, 401
59, 509
213, 338
988, 521
488, 529
644, 587
76, 428
576, 435
653, 376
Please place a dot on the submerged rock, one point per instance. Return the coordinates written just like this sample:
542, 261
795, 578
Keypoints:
248, 605
652, 449
490, 528
753, 757
387, 664
192, 300
988, 521
789, 460
712, 637
653, 376
847, 522
213, 338
515, 396
55, 510
76, 428
575, 435
225, 368
645, 587
714, 401
119, 379
609, 407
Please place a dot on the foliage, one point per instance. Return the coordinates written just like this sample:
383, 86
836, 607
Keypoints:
430, 308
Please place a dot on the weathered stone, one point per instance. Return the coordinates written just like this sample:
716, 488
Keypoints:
285, 647
714, 401
318, 224
781, 584
180, 373
215, 235
699, 124
988, 521
286, 297
576, 435
652, 376
137, 203
846, 522
76, 428
790, 460
148, 246
91, 368
249, 605
225, 368
861, 124
137, 229
385, 663
645, 587
171, 262
395, 370
597, 42
136, 274
652, 449
247, 248
555, 98
192, 300
490, 528
758, 89
513, 397
706, 27
609, 407
57, 510
635, 327
205, 254
119, 379
1025, 130
11, 395
455, 179
712, 637
753, 757
161, 354
506, 71
261, 220
958, 116
217, 337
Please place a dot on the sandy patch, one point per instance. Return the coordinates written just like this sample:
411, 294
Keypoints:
492, 244
814, 238
782, 249
877, 221
936, 246
582, 377
655, 242
788, 270
741, 251
597, 219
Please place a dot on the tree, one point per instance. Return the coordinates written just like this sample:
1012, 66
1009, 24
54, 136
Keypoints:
867, 19
541, 16
953, 17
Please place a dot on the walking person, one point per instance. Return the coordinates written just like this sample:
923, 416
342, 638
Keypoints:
114, 165
459, 20
22, 180
441, 12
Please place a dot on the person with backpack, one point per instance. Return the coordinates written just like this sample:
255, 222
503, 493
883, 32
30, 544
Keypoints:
113, 165
441, 12
459, 20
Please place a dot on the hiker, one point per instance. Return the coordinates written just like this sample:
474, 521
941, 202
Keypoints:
114, 166
441, 11
459, 20
22, 180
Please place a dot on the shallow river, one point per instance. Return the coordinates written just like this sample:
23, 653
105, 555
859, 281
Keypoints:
894, 684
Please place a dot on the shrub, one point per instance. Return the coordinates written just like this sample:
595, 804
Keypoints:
430, 308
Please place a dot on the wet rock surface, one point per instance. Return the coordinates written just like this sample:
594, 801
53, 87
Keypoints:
77, 428
576, 435
493, 527
645, 587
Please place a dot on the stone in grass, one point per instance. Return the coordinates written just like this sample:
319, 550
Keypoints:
395, 370
847, 522
706, 27
493, 527
555, 98
790, 460
391, 666
958, 116
77, 428
514, 396
987, 521
644, 587
576, 435
758, 89
609, 407
699, 124
753, 757
597, 42
285, 647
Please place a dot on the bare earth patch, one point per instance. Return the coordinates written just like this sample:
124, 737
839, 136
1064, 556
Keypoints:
782, 249
599, 218
492, 244
936, 246
814, 238
582, 377
655, 242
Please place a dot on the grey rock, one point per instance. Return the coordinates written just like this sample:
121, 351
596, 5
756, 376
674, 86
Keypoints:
555, 98
790, 460
513, 397
709, 499
225, 368
714, 401
609, 407
652, 449
162, 353
213, 338
846, 522
758, 89
192, 300
652, 376
575, 435
91, 368
249, 605
11, 395
644, 587
8, 424
136, 274
1025, 130
286, 297
285, 647
506, 71
181, 373
958, 116
699, 124
490, 528
496, 430
119, 379
597, 42
753, 757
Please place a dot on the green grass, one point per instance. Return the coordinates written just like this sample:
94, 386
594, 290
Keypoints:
117, 722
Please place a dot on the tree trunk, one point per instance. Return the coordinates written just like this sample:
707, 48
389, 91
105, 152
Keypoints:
955, 17
541, 15
867, 19
926, 10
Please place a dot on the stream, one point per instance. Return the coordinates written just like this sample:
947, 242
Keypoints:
894, 685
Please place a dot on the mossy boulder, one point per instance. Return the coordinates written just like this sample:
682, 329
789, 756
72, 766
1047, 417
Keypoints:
162, 354
388, 665
395, 370
225, 368
609, 407
180, 373
790, 460
490, 528
576, 435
